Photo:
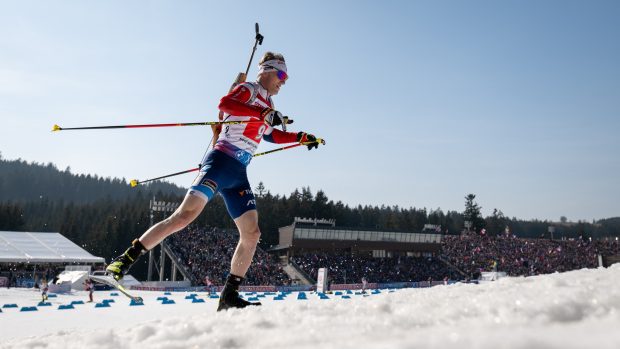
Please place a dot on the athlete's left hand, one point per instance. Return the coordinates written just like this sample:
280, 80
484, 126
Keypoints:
308, 140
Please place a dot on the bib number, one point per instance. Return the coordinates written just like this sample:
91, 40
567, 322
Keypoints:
260, 132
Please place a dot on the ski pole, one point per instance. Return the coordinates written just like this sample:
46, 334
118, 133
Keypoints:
275, 150
259, 40
204, 123
135, 182
318, 140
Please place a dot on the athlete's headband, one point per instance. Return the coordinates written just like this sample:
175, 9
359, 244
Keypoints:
272, 65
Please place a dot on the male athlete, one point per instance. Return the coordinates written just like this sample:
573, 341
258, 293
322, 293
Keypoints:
224, 172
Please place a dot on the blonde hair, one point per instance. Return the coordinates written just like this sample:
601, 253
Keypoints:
269, 56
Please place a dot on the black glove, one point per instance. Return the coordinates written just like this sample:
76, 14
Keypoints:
308, 140
272, 117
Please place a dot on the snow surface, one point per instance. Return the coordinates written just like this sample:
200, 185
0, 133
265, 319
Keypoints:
578, 309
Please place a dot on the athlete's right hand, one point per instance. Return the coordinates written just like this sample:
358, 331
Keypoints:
308, 140
272, 117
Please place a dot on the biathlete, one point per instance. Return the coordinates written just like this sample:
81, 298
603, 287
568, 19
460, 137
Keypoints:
44, 288
90, 287
224, 172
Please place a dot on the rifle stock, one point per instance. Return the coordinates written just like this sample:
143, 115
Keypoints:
217, 129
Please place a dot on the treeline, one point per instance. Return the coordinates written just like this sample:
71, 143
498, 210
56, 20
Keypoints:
22, 182
110, 220
11, 217
104, 215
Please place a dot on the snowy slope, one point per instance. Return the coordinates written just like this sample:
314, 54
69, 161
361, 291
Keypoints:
579, 309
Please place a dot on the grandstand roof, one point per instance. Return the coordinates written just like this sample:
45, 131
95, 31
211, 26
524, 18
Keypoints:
26, 247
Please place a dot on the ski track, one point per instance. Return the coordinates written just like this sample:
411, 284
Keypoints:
577, 309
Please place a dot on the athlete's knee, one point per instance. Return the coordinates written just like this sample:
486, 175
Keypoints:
251, 236
181, 218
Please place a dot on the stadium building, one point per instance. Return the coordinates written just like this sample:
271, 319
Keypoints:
307, 235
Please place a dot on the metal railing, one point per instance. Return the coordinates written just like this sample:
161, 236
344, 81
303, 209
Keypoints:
176, 264
302, 272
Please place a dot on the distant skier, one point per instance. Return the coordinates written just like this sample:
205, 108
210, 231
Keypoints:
88, 286
224, 172
44, 288
364, 284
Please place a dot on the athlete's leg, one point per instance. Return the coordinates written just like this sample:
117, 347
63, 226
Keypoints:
205, 186
241, 205
249, 234
189, 209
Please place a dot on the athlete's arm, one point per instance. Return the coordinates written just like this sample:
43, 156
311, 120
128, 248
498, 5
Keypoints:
274, 135
234, 103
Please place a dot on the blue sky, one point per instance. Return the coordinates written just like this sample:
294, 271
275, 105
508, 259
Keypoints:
421, 102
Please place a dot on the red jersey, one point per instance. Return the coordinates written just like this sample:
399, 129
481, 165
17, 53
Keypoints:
246, 102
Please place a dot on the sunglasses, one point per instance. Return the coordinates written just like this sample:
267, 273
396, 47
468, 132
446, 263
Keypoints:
283, 76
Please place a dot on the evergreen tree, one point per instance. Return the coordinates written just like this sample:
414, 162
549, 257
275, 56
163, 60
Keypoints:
496, 223
11, 217
472, 213
260, 190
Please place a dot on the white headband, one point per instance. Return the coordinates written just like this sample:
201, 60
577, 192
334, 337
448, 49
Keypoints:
272, 65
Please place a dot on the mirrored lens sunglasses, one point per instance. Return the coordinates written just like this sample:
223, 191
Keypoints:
283, 76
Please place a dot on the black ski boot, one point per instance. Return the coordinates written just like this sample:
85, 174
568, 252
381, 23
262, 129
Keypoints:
121, 264
230, 295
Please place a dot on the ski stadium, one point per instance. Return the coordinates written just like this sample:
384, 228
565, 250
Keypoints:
260, 175
414, 296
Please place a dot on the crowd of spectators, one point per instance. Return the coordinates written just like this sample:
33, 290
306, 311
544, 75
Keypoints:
474, 252
346, 268
206, 253
467, 255
27, 274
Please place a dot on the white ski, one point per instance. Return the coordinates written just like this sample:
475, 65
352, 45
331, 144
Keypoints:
110, 281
